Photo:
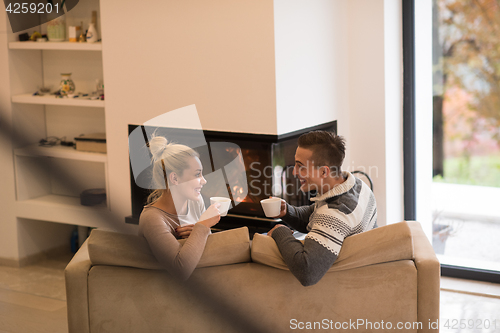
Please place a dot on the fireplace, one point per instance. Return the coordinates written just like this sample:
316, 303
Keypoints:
266, 161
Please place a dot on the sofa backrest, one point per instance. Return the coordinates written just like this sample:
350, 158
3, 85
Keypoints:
384, 244
117, 249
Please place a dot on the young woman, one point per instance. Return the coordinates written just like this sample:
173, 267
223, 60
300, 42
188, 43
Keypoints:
176, 209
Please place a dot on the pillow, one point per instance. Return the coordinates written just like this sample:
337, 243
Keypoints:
388, 243
116, 249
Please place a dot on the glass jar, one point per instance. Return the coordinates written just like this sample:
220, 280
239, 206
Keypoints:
56, 29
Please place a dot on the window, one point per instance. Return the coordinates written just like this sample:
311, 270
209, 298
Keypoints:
464, 183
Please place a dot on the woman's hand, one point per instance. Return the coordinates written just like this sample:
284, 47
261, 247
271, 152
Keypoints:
211, 216
184, 231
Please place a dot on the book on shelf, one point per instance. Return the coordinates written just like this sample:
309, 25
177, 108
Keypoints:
95, 142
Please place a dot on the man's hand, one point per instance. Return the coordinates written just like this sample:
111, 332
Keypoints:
282, 209
184, 231
277, 226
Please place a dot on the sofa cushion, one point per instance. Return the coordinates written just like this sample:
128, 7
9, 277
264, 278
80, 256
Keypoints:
117, 249
384, 244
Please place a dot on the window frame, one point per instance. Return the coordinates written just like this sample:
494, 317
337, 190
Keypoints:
409, 143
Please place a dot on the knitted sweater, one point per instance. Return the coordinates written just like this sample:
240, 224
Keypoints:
347, 209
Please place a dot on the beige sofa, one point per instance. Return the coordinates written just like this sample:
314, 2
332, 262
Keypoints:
387, 276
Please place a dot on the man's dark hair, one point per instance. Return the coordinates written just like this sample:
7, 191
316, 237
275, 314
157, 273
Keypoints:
328, 148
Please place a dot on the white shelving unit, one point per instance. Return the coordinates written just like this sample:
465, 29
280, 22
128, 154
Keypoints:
53, 100
49, 180
60, 152
28, 45
58, 208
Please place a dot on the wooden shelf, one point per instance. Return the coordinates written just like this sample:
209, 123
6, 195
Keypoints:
63, 209
53, 100
55, 46
61, 152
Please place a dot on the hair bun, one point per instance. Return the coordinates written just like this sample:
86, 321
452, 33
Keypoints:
157, 146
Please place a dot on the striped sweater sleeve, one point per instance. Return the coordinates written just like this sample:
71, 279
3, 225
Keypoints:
308, 262
298, 217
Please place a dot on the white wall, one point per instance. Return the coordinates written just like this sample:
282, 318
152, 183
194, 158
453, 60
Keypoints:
282, 66
393, 79
374, 127
423, 113
311, 52
342, 60
38, 236
216, 54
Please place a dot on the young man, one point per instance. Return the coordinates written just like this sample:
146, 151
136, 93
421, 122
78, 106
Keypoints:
343, 206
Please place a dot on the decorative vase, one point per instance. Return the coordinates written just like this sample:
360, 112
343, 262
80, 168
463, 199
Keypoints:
56, 29
67, 85
92, 34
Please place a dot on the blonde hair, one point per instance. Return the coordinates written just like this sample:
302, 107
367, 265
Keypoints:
167, 157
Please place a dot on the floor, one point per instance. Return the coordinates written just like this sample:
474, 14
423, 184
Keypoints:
32, 299
473, 304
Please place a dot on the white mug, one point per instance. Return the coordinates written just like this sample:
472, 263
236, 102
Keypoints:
271, 206
224, 204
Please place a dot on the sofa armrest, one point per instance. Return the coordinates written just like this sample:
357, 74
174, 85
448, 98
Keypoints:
76, 274
428, 277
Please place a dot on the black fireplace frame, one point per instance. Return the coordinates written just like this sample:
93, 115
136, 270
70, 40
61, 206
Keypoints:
255, 223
